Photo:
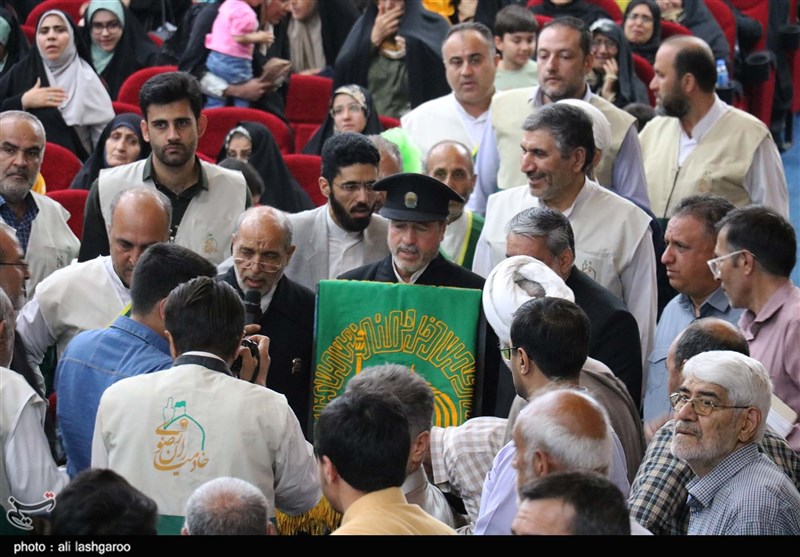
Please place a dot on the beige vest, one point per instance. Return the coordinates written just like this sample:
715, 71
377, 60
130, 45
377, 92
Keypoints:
718, 164
52, 244
15, 394
78, 298
509, 110
209, 222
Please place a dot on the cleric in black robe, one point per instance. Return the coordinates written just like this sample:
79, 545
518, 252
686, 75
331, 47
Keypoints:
423, 32
281, 190
416, 199
134, 50
289, 324
13, 42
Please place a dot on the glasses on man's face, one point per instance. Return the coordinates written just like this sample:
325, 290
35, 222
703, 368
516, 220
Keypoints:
263, 266
111, 26
644, 18
351, 108
701, 406
21, 264
506, 351
353, 187
714, 264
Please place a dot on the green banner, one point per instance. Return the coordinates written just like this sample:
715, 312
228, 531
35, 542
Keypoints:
431, 329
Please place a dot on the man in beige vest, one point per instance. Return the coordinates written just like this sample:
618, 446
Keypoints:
206, 198
564, 58
702, 145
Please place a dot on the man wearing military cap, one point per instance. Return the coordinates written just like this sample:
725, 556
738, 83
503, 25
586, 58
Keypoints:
417, 207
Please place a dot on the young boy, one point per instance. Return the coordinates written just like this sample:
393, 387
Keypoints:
515, 39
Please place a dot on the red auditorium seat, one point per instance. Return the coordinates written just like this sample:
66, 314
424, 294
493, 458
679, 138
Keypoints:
121, 108
307, 103
73, 201
645, 72
59, 167
306, 170
222, 119
129, 91
71, 7
387, 122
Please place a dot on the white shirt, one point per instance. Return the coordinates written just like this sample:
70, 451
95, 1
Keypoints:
345, 249
454, 236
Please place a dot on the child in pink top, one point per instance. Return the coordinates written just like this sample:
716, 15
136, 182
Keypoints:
230, 43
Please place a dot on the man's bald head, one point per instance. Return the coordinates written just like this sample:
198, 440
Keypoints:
692, 55
140, 217
702, 335
562, 429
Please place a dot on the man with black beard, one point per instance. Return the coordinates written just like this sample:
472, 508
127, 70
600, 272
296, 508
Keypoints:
344, 233
699, 144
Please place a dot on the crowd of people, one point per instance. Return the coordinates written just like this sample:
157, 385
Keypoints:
632, 366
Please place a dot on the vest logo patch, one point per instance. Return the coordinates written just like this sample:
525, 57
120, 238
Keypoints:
181, 440
210, 245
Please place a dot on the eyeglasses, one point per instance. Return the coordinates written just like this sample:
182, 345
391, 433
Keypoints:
22, 265
506, 351
610, 45
714, 264
111, 26
353, 187
644, 18
263, 266
701, 406
351, 108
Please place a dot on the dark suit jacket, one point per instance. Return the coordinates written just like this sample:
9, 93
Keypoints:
615, 335
289, 324
441, 272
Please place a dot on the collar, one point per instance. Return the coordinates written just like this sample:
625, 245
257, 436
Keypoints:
775, 302
205, 359
413, 278
717, 300
123, 291
482, 117
30, 206
717, 111
147, 174
702, 490
337, 231
416, 480
143, 332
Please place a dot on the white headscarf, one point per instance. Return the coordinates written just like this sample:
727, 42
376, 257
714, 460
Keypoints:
88, 102
601, 128
502, 295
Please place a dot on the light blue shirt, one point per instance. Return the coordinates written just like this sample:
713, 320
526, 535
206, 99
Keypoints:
93, 361
499, 499
677, 315
747, 495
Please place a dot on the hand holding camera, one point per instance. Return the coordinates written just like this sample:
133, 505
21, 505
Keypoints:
252, 363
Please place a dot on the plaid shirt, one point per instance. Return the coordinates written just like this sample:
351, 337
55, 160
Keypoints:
461, 456
23, 225
659, 492
745, 495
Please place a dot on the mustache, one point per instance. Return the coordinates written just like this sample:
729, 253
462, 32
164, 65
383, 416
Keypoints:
687, 428
360, 207
414, 250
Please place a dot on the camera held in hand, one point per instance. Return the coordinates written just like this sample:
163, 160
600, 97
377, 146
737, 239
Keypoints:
236, 366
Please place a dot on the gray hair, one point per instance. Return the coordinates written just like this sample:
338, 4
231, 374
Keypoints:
28, 117
547, 223
570, 126
227, 507
412, 389
271, 213
476, 26
544, 427
386, 147
465, 151
744, 378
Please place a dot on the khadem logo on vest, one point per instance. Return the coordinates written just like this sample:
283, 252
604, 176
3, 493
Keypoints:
181, 440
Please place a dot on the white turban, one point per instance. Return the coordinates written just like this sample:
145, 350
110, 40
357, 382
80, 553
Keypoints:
502, 296
601, 128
